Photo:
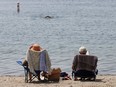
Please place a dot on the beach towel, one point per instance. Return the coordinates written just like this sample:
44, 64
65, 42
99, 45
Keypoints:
43, 66
34, 58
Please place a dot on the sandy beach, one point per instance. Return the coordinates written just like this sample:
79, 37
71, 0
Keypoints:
18, 81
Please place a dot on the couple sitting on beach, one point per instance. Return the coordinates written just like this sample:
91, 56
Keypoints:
37, 60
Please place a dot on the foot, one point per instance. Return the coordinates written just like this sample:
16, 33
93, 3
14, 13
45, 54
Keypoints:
75, 79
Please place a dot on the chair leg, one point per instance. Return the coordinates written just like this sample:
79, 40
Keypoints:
26, 75
26, 78
94, 78
30, 76
39, 77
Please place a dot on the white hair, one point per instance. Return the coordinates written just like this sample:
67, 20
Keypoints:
82, 49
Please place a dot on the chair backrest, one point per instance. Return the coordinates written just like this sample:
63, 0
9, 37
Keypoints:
38, 60
86, 62
33, 60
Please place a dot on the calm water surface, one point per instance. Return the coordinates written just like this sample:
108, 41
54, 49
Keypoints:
74, 23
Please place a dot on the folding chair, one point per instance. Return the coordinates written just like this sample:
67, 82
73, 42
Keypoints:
27, 71
86, 65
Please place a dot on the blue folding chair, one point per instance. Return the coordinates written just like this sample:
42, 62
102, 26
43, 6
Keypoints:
27, 71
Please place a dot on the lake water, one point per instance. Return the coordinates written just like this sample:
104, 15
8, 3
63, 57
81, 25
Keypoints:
91, 23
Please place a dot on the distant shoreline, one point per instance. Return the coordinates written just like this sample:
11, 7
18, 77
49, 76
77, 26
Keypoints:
108, 80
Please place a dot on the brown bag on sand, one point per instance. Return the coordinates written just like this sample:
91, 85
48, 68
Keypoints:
55, 74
